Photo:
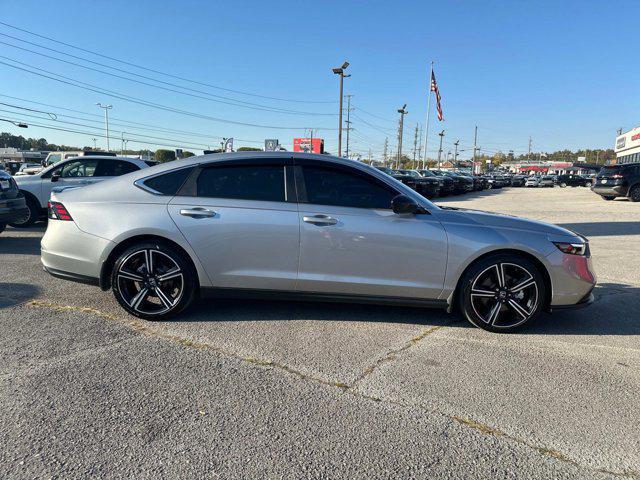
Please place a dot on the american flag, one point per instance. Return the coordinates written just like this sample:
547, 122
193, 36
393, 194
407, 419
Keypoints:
434, 88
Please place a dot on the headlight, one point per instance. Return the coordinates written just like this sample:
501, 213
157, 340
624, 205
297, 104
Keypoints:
573, 248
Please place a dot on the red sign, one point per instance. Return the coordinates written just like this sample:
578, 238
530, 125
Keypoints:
635, 137
305, 145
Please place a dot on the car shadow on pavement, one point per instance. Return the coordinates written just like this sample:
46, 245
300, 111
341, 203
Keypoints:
20, 245
599, 229
612, 313
12, 294
232, 310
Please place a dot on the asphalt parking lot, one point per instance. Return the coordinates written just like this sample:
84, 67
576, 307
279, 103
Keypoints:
288, 390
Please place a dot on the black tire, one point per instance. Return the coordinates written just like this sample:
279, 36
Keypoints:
178, 291
634, 193
507, 307
607, 197
34, 214
2, 227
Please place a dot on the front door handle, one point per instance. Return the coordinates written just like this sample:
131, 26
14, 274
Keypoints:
320, 220
197, 212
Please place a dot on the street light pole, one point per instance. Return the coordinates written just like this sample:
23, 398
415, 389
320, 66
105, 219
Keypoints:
340, 71
441, 134
455, 157
402, 111
106, 119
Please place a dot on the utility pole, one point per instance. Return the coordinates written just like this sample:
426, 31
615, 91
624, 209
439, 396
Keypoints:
122, 144
106, 119
415, 144
475, 143
340, 71
370, 160
455, 157
529, 154
620, 131
385, 152
348, 122
95, 143
402, 111
420, 160
441, 134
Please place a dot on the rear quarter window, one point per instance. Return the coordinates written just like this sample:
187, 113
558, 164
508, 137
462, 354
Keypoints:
168, 183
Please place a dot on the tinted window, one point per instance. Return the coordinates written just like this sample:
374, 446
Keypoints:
169, 183
243, 182
327, 186
78, 168
114, 168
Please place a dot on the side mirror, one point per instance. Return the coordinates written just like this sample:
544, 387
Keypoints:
403, 204
55, 176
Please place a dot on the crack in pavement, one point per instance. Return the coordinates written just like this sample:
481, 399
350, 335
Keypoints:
144, 329
393, 354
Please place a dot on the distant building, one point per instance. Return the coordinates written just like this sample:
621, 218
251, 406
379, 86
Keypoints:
627, 147
548, 167
12, 154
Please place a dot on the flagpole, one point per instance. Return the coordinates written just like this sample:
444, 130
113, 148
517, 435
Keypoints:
426, 137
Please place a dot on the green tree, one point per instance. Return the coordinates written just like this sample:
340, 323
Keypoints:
187, 154
249, 149
164, 156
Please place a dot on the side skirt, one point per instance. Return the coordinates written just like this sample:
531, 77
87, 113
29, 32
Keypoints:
239, 293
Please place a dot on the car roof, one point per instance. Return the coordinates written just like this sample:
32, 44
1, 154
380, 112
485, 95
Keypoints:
135, 161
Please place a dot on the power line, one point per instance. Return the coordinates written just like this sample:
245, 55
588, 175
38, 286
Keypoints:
166, 74
225, 100
92, 88
120, 121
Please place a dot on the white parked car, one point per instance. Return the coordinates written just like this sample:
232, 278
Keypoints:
55, 157
532, 182
74, 172
28, 169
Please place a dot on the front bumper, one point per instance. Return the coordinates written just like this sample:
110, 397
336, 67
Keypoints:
13, 209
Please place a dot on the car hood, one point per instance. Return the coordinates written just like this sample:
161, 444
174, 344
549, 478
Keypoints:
27, 179
502, 221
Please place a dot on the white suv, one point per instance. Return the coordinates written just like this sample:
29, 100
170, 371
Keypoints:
74, 172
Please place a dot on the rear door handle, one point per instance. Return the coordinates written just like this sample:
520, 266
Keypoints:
320, 220
197, 212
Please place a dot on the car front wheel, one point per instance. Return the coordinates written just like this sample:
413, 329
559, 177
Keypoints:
634, 194
501, 293
154, 281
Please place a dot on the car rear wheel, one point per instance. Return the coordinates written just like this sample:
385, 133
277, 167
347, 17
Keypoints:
154, 281
32, 216
502, 293
634, 194
607, 197
563, 184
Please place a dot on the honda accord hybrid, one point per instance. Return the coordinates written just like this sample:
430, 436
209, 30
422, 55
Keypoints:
310, 227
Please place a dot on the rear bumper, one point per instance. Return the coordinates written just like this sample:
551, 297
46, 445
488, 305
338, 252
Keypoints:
610, 191
73, 277
12, 210
68, 252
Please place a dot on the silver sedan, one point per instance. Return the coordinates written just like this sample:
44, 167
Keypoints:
310, 226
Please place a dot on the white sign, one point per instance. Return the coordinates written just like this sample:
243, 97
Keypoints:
228, 145
582, 159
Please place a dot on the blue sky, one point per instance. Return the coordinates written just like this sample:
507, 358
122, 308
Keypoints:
564, 73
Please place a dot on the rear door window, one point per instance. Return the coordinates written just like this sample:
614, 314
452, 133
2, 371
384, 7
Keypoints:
243, 182
114, 168
78, 169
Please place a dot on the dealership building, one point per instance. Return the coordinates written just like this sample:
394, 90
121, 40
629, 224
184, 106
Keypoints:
628, 147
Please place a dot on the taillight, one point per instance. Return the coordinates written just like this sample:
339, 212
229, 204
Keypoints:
617, 175
57, 211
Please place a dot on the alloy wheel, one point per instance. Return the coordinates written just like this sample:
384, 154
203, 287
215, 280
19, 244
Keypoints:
150, 282
504, 295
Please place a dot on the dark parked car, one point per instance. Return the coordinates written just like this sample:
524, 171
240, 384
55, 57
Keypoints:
446, 183
425, 186
12, 204
518, 180
460, 184
497, 181
573, 180
618, 181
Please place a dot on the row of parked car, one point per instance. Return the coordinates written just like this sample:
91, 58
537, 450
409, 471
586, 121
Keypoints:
440, 183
